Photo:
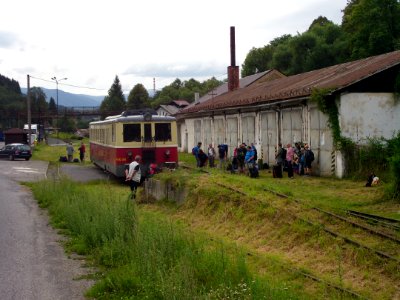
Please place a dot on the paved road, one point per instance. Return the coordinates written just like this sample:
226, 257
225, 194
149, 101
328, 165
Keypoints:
33, 264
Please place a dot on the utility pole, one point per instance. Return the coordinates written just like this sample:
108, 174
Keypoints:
28, 99
57, 81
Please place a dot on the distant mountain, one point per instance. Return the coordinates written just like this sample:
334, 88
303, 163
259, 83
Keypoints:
76, 100
69, 99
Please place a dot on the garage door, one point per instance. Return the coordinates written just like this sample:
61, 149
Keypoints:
248, 129
232, 134
291, 126
268, 136
219, 131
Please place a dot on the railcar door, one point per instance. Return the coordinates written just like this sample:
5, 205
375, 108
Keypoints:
147, 133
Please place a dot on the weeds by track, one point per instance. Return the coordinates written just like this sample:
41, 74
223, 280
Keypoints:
326, 229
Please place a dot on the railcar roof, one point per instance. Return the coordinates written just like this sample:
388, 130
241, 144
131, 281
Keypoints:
138, 118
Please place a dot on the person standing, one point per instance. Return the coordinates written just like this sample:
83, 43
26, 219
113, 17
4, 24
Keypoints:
241, 154
255, 152
70, 152
222, 154
280, 157
289, 159
196, 152
82, 150
134, 175
211, 156
308, 159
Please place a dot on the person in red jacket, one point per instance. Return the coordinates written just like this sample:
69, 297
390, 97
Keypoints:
82, 150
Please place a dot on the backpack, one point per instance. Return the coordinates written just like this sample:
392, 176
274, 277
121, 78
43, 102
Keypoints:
284, 152
194, 151
311, 156
221, 151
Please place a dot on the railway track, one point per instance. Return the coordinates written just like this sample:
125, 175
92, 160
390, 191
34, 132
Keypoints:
376, 220
331, 231
346, 220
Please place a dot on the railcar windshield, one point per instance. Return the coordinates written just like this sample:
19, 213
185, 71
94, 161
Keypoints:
163, 131
132, 133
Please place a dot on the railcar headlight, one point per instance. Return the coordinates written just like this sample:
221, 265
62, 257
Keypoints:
167, 153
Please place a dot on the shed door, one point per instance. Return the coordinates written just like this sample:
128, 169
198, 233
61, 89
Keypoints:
321, 143
197, 132
232, 134
291, 126
248, 129
268, 137
207, 132
219, 131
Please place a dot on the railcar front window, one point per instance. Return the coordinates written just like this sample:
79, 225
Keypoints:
132, 133
163, 131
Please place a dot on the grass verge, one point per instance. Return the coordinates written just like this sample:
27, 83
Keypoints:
143, 254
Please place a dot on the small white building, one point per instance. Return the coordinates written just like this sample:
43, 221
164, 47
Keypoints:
172, 108
266, 112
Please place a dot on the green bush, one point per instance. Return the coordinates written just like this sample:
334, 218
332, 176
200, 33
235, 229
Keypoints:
393, 191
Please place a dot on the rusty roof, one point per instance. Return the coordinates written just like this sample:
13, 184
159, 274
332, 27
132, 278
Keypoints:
298, 86
223, 88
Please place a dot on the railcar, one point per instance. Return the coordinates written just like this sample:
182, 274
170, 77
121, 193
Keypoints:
115, 141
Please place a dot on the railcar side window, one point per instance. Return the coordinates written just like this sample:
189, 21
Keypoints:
163, 131
132, 133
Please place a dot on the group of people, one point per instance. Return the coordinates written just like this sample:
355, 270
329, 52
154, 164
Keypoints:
202, 158
70, 152
297, 159
294, 160
244, 157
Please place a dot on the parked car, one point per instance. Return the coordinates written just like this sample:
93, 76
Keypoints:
12, 151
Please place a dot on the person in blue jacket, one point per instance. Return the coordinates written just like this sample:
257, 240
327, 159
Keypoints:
196, 152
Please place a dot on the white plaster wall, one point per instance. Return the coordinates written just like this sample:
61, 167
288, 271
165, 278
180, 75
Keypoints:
364, 115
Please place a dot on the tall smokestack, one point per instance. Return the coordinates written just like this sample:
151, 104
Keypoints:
233, 47
233, 70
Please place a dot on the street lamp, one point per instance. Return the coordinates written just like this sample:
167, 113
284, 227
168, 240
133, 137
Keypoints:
57, 81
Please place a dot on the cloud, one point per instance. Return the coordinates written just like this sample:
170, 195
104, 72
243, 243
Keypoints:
8, 39
177, 70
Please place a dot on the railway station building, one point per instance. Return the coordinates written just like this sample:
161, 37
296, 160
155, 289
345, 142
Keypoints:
271, 108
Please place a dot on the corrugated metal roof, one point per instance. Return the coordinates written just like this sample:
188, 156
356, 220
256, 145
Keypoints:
335, 77
223, 88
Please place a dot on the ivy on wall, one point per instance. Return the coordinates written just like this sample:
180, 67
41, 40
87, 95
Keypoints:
328, 106
378, 155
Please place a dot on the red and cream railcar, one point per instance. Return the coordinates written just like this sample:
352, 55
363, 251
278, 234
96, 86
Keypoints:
116, 141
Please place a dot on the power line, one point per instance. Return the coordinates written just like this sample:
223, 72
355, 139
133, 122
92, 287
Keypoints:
71, 85
98, 89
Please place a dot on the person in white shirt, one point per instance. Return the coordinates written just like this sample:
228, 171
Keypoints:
134, 175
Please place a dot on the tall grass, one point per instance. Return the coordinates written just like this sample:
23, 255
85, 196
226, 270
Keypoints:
143, 254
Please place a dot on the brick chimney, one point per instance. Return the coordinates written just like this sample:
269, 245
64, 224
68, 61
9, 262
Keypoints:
233, 70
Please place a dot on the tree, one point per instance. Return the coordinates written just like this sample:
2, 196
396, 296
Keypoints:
39, 105
52, 105
114, 102
372, 27
138, 97
262, 59
184, 90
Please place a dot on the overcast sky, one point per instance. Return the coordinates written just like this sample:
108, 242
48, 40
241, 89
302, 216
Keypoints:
90, 42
